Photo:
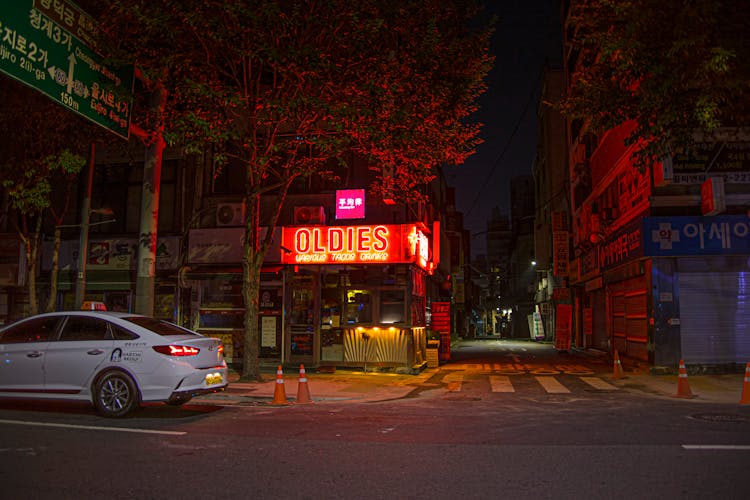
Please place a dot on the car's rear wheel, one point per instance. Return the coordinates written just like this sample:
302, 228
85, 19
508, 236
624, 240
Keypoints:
115, 394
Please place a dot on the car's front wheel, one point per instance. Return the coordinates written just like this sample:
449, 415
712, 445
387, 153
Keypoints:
115, 394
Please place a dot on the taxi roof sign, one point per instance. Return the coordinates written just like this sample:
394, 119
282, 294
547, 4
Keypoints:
93, 305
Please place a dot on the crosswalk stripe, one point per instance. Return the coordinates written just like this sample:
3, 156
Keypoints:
501, 383
454, 380
552, 386
598, 383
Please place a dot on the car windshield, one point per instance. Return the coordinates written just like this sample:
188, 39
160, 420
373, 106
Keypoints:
161, 327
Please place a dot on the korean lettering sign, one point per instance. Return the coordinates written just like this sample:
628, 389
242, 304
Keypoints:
719, 235
350, 204
623, 247
560, 256
40, 46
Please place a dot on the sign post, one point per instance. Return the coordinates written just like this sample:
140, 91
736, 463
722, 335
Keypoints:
46, 44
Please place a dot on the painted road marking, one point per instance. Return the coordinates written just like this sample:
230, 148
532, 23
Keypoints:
454, 380
598, 383
501, 384
518, 368
552, 386
716, 446
93, 427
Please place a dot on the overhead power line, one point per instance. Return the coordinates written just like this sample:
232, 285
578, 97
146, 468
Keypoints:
507, 145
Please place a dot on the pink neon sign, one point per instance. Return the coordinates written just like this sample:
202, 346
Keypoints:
350, 204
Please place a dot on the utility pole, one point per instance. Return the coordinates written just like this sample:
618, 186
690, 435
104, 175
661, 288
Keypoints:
83, 242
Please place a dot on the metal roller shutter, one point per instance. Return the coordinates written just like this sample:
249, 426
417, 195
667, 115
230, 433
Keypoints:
630, 318
715, 317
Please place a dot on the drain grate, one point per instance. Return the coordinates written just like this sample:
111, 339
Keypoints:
722, 417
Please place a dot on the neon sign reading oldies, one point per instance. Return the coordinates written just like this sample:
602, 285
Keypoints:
377, 244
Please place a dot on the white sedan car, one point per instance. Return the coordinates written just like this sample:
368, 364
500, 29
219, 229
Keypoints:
115, 360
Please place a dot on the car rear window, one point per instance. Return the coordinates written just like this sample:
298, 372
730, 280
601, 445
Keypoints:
159, 326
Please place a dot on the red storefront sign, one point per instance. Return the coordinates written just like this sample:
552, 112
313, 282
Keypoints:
441, 323
376, 244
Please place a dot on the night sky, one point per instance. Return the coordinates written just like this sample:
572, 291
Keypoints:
527, 34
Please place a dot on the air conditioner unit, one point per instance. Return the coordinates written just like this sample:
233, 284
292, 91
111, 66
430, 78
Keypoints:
309, 215
230, 214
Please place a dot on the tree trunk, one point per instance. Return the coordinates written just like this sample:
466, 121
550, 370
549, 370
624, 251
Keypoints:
32, 250
52, 299
252, 261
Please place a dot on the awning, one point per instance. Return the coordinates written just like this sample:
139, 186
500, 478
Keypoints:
97, 281
223, 272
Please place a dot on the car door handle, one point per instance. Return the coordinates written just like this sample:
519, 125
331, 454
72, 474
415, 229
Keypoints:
34, 354
95, 352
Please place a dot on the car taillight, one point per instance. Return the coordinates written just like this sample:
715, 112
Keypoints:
177, 350
221, 348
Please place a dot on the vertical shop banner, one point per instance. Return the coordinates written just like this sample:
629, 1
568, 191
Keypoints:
441, 323
563, 326
560, 254
559, 221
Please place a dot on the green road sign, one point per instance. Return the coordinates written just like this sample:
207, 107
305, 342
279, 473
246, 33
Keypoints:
42, 45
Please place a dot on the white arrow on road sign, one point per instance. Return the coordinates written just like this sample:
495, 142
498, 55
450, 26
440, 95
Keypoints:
71, 66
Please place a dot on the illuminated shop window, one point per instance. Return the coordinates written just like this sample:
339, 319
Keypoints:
358, 306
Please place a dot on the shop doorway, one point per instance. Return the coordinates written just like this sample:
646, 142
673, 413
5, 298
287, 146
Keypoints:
303, 318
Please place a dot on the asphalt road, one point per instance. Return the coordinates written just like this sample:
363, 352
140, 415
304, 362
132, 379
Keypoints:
460, 433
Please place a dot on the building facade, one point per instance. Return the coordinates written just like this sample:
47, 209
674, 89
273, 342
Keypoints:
660, 256
551, 215
349, 280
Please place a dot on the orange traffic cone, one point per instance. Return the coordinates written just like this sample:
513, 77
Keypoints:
618, 371
683, 387
303, 392
279, 394
745, 400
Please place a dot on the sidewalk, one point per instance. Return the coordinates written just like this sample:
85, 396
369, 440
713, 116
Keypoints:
360, 387
706, 388
725, 389
343, 385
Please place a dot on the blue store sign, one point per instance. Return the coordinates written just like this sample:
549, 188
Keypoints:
718, 235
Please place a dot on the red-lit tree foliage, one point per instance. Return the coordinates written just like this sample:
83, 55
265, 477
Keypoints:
287, 87
43, 148
679, 70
